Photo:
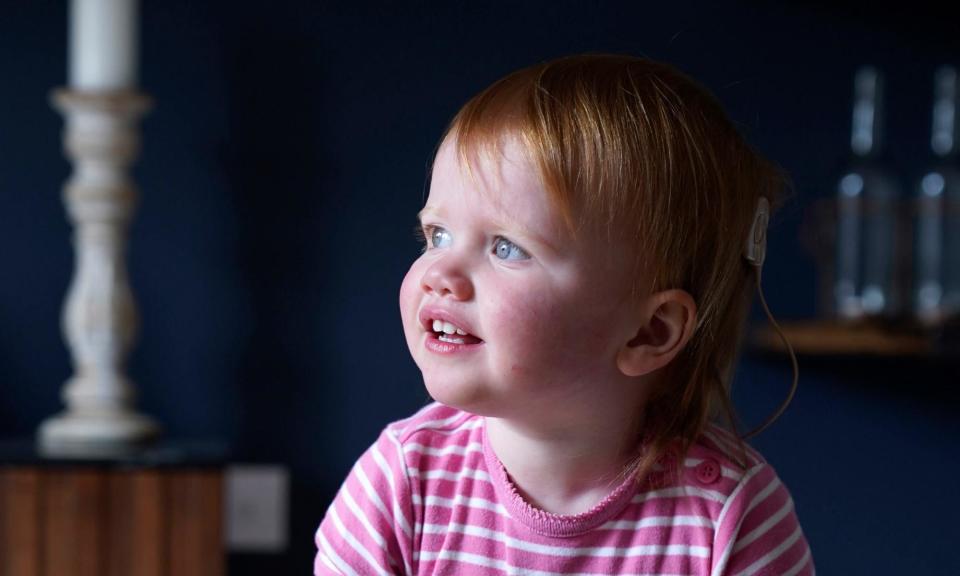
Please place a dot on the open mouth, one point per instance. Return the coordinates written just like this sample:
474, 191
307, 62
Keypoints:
452, 334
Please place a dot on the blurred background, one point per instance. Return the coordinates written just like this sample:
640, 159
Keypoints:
281, 172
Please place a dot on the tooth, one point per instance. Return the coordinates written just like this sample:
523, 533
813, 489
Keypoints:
449, 328
461, 332
438, 325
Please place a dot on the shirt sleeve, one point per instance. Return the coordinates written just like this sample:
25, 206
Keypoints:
367, 528
758, 531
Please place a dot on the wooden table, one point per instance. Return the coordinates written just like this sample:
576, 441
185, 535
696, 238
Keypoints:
153, 512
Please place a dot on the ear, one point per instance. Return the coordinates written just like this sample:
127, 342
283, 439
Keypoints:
667, 320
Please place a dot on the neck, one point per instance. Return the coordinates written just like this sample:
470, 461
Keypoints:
570, 468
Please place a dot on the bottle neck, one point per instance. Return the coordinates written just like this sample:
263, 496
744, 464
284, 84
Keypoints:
944, 136
865, 134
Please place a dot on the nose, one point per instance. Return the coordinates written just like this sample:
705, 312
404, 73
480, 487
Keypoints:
446, 277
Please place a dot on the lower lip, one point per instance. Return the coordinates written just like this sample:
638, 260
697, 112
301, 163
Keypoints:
434, 344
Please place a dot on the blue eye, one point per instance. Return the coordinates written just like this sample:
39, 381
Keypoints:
439, 238
507, 250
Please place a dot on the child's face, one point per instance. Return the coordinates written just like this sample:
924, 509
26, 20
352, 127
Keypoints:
544, 313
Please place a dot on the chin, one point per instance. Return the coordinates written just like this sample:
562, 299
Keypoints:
468, 397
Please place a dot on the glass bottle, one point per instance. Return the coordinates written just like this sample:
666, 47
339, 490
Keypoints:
936, 292
866, 252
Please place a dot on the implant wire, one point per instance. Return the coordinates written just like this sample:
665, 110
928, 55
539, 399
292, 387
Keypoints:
793, 360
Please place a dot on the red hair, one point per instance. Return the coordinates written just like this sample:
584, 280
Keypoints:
641, 149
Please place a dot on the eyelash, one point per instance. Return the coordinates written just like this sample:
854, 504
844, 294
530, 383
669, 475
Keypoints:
424, 235
419, 232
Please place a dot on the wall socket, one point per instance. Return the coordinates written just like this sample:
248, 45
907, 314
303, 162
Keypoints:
257, 500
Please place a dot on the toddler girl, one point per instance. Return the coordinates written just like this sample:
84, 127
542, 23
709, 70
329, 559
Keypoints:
576, 313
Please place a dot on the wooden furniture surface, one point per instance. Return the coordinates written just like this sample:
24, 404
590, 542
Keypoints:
139, 516
829, 338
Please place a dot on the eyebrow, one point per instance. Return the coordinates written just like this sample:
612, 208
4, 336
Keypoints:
427, 211
528, 234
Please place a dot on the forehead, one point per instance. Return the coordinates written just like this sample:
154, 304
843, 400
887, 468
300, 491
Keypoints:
501, 183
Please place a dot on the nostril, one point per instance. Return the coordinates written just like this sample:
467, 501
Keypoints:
435, 288
447, 282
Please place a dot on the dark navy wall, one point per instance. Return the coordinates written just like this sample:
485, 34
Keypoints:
282, 168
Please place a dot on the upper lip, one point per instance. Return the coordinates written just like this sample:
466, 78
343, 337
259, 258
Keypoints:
430, 313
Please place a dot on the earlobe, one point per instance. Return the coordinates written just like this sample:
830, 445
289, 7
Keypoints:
667, 322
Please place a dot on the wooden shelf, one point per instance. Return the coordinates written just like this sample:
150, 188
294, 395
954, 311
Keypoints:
830, 338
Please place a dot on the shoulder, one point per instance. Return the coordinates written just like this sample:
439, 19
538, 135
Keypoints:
435, 425
434, 429
720, 443
438, 445
433, 437
718, 461
718, 470
755, 523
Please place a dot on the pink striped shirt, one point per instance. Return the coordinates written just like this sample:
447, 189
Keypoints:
431, 497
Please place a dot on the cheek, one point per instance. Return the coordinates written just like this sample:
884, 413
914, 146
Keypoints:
533, 323
410, 293
548, 330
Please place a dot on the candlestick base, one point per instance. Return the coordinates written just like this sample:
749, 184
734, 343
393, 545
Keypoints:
96, 434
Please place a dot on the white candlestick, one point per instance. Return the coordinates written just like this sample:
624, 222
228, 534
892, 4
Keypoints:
100, 315
103, 44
